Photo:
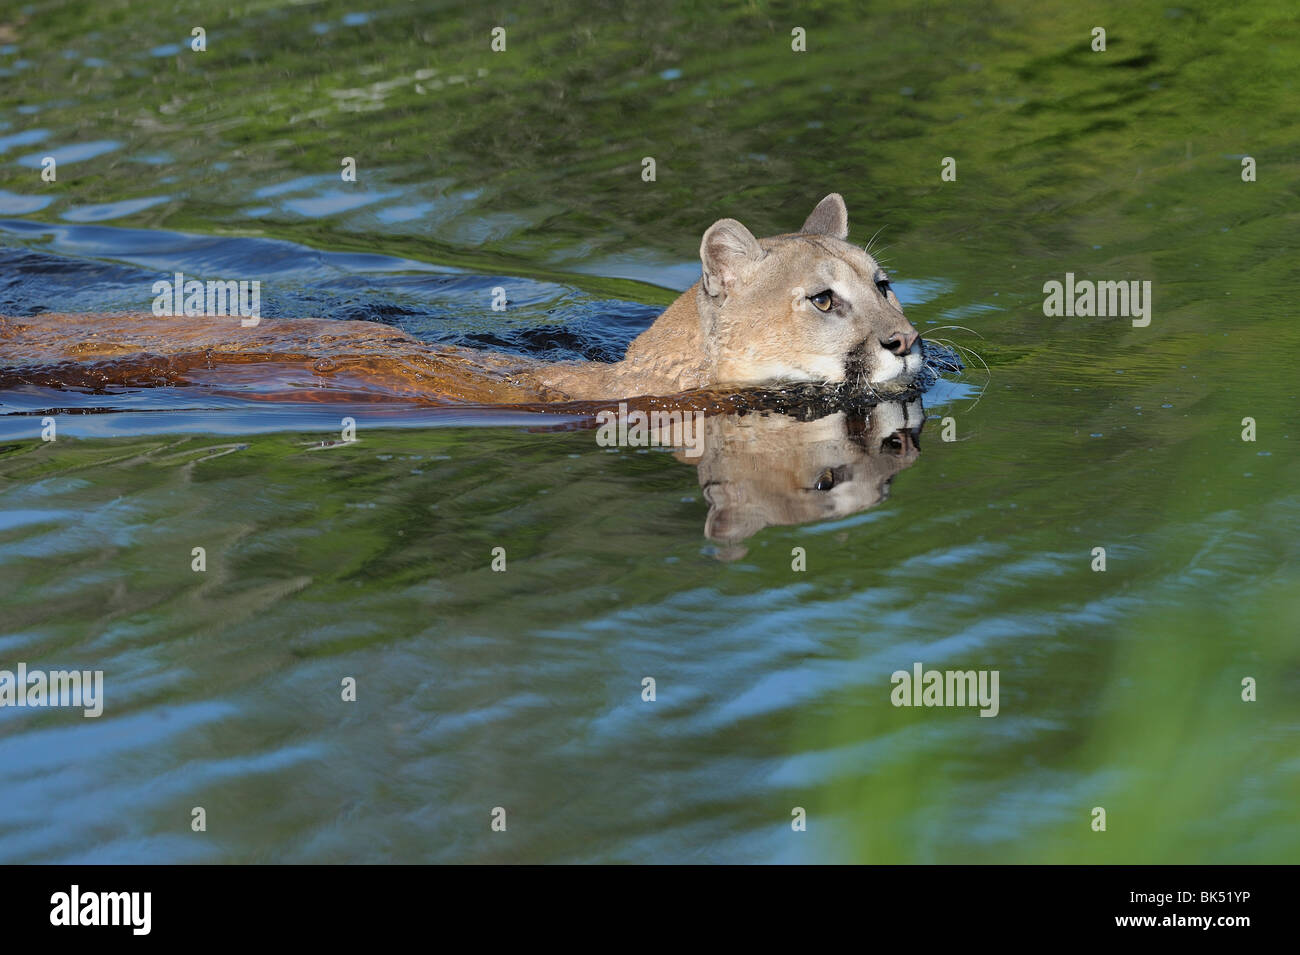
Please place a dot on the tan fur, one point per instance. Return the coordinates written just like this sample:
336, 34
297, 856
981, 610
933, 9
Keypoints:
748, 322
760, 470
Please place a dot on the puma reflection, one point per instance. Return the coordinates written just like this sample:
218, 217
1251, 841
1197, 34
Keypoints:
763, 469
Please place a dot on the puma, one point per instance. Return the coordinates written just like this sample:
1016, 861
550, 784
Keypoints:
807, 307
802, 308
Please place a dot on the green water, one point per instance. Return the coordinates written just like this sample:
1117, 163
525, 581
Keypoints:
522, 689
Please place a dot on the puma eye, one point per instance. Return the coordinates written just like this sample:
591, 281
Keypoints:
823, 300
825, 480
883, 286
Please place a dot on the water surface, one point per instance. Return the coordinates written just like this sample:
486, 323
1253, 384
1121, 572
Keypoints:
522, 689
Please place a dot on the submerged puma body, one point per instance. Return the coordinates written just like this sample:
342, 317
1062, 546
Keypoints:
802, 308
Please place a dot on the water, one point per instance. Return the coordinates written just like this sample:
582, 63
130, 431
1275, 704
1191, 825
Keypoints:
523, 689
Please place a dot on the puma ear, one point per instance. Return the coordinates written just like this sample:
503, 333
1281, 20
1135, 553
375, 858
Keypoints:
726, 250
831, 217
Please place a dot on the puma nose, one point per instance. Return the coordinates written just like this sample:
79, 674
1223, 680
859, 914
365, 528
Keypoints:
900, 343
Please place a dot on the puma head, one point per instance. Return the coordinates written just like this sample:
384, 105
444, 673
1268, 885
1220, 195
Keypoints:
803, 307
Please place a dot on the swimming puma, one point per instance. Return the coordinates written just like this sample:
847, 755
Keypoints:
807, 307
804, 307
